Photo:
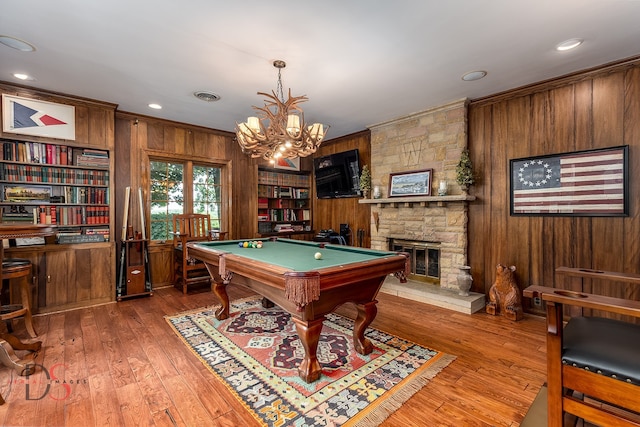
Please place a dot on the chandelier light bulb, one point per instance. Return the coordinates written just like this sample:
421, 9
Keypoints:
254, 124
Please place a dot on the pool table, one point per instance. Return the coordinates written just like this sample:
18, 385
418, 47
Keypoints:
287, 273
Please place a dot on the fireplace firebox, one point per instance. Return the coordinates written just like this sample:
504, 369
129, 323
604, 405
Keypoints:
424, 256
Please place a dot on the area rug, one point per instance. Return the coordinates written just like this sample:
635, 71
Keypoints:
256, 352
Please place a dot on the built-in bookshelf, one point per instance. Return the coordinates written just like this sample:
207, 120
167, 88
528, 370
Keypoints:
284, 204
61, 185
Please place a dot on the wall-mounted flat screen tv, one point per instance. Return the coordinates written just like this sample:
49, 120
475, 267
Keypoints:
337, 175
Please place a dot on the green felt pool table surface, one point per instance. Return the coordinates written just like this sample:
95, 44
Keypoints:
298, 255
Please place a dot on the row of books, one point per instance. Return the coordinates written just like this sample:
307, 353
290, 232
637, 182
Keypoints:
282, 192
266, 203
93, 195
53, 175
66, 194
286, 179
59, 215
285, 215
74, 215
99, 234
52, 154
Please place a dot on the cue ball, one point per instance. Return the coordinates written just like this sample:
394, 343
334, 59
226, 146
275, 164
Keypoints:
318, 255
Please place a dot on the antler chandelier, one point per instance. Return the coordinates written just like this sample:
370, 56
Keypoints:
279, 130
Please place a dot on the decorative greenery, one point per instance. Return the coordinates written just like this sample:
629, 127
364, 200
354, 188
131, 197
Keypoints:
464, 170
365, 179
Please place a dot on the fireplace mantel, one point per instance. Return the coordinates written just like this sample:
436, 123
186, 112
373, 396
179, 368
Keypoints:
420, 201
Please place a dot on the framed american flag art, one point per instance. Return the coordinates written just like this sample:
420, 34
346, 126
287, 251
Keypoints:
581, 183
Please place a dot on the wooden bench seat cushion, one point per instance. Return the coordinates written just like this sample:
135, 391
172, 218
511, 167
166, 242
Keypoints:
607, 346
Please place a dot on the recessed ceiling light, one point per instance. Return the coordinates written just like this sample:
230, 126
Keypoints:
569, 44
206, 95
474, 75
17, 44
155, 106
23, 76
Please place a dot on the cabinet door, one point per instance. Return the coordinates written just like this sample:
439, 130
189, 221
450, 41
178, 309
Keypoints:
59, 278
78, 276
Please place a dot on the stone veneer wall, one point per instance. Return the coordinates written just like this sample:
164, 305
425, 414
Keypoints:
431, 139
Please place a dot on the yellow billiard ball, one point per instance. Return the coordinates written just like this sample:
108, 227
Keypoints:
245, 244
318, 255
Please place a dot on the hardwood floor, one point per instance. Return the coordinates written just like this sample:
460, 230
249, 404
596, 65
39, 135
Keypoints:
120, 365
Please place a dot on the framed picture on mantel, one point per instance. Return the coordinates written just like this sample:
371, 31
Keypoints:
414, 183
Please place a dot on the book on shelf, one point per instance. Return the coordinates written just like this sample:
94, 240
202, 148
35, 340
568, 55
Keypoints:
81, 238
21, 214
285, 191
280, 228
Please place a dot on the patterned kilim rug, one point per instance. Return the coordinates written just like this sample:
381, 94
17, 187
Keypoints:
256, 352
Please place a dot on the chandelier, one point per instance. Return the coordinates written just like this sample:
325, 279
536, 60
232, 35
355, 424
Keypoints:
279, 131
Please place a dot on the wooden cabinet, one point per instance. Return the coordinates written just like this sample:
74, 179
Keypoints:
69, 276
284, 204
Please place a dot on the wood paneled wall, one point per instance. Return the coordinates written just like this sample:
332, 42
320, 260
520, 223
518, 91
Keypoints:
139, 137
330, 213
594, 109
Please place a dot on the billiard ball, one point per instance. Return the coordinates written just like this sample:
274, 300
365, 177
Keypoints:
318, 255
245, 245
240, 244
259, 245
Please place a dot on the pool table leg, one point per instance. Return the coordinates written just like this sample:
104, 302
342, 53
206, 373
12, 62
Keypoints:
366, 313
220, 289
309, 334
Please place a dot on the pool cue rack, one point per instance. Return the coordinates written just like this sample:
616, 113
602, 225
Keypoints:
135, 276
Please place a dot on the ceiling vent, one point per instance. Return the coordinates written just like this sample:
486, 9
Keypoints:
206, 95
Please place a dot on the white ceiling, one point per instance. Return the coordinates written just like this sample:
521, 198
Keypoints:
360, 62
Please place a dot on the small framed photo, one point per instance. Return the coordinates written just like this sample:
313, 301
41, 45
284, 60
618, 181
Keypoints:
414, 183
25, 193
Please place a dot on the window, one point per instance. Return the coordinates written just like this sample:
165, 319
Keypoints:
182, 187
206, 193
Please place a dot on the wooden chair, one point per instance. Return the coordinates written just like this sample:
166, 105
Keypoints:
189, 228
593, 363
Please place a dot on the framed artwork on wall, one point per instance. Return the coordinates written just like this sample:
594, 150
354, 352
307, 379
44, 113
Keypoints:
39, 118
288, 164
414, 183
580, 183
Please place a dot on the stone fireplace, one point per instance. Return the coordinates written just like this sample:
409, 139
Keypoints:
432, 139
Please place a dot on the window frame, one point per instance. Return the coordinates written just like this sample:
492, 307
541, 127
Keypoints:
188, 164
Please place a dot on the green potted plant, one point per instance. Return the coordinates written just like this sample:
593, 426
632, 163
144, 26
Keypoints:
365, 181
464, 171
